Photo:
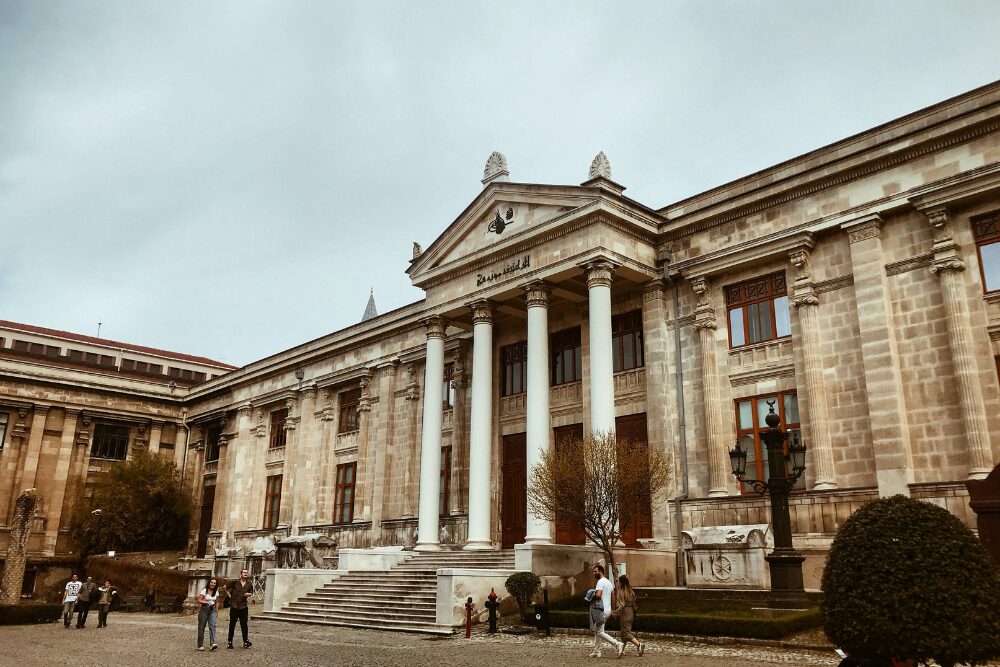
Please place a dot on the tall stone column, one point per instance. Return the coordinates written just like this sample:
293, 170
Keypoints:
240, 479
224, 482
61, 481
806, 304
10, 471
430, 439
602, 376
362, 496
539, 531
660, 401
715, 436
292, 436
385, 375
155, 434
30, 468
880, 358
481, 429
948, 265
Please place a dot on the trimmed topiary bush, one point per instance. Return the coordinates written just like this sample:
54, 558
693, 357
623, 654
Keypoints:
28, 614
906, 579
522, 586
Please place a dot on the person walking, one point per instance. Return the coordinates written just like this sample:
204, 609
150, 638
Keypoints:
207, 612
626, 611
600, 611
86, 597
239, 591
107, 593
70, 595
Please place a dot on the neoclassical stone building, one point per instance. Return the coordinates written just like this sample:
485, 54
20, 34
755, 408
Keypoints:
855, 288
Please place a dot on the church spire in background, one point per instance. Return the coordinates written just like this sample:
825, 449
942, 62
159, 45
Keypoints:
370, 311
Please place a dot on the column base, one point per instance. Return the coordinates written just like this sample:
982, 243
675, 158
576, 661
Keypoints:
478, 545
427, 546
718, 493
824, 486
538, 539
978, 473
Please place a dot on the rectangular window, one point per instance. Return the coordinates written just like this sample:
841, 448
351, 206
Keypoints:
343, 507
445, 481
447, 388
110, 442
750, 414
986, 230
348, 401
272, 501
758, 310
566, 352
4, 418
212, 436
513, 368
626, 341
278, 433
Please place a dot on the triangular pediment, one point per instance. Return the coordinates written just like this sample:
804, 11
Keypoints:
503, 211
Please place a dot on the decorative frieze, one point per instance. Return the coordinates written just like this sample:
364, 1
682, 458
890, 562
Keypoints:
909, 264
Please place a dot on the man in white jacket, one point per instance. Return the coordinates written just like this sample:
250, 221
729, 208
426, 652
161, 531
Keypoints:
600, 611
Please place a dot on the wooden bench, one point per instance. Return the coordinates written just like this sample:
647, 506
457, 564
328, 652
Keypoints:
132, 603
165, 603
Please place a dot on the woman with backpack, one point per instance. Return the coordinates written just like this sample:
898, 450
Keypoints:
626, 611
208, 597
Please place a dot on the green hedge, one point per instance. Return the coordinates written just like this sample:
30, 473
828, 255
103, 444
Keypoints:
135, 578
719, 624
28, 614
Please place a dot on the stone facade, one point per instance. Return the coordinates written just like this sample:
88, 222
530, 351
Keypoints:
878, 338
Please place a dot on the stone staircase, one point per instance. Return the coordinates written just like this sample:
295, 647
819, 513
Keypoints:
403, 599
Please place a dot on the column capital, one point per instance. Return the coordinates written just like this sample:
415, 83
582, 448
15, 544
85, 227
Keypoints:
807, 299
71, 412
599, 272
863, 228
699, 284
436, 326
537, 293
652, 290
937, 216
947, 264
482, 311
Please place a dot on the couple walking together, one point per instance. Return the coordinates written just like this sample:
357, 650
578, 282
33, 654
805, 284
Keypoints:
237, 593
601, 611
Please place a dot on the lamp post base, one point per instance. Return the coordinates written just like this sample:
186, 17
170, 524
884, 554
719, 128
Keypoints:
787, 589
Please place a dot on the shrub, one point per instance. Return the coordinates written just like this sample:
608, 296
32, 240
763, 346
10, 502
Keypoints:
523, 586
27, 614
907, 579
135, 578
705, 623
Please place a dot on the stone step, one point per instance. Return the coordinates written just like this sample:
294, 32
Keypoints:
377, 586
417, 627
352, 613
373, 597
366, 604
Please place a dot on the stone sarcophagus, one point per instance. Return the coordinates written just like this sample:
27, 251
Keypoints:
727, 556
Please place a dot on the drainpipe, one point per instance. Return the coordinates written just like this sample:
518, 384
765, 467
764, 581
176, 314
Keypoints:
682, 428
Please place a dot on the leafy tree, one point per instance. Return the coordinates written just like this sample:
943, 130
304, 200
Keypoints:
906, 579
598, 484
137, 505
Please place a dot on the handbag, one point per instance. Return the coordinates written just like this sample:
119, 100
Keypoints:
225, 602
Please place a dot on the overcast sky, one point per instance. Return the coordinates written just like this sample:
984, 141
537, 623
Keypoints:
230, 178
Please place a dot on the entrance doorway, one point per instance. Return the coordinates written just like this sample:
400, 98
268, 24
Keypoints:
514, 502
568, 533
633, 427
205, 525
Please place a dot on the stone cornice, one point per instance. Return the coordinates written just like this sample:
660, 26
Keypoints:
771, 247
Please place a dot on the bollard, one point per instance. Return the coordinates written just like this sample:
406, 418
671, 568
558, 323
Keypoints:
492, 605
468, 617
542, 614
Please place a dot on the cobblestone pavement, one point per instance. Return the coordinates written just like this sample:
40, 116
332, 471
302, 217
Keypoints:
147, 640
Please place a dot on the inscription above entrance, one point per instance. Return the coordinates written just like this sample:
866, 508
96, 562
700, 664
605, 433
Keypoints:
511, 268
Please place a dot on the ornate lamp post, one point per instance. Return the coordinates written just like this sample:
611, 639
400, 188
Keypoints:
787, 590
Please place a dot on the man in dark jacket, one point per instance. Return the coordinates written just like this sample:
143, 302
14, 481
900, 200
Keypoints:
239, 592
88, 595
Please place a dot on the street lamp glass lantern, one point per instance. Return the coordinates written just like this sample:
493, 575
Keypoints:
797, 454
738, 460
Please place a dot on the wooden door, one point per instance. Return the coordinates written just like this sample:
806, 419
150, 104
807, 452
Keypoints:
514, 503
567, 533
633, 427
205, 524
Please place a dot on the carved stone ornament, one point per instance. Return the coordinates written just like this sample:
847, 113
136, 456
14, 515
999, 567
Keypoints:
412, 388
482, 312
699, 285
799, 259
496, 167
804, 300
327, 413
20, 429
600, 167
365, 401
417, 250
938, 217
459, 376
652, 290
599, 274
871, 230
537, 294
436, 326
947, 264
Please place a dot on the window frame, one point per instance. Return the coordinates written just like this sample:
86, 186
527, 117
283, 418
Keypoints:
986, 232
348, 419
746, 294
213, 435
340, 505
627, 330
277, 435
272, 501
794, 429
512, 358
445, 491
99, 446
565, 357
